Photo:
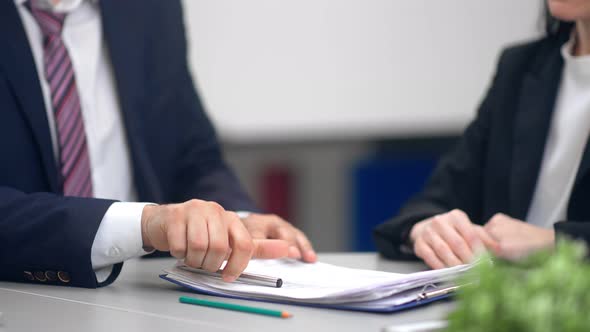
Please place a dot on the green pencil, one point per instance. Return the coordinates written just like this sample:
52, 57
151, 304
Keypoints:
235, 307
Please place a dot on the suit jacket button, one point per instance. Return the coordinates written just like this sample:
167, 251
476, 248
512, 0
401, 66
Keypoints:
51, 275
63, 276
29, 276
40, 276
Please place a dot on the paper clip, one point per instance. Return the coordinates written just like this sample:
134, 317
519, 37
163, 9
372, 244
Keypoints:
425, 294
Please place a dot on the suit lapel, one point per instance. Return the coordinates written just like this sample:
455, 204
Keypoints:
531, 128
125, 38
17, 62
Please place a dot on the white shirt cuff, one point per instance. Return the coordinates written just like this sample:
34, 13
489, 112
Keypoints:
118, 237
103, 274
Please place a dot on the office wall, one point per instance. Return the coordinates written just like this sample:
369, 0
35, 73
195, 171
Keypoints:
319, 69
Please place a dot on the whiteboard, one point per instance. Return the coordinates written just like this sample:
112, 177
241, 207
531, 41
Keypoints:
278, 70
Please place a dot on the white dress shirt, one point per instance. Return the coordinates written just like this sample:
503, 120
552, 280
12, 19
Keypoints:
119, 235
567, 139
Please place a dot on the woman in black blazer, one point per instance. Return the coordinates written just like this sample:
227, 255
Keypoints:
520, 175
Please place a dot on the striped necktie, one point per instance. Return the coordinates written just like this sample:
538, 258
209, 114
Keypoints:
74, 160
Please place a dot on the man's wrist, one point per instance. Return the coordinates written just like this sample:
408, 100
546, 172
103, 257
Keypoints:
145, 217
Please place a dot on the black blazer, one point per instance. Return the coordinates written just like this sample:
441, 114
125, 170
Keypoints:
174, 150
495, 165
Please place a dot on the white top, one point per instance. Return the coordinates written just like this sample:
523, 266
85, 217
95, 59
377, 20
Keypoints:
567, 139
119, 235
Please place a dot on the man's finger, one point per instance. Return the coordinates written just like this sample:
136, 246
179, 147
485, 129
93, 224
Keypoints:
257, 226
284, 232
218, 243
176, 236
197, 240
242, 248
305, 246
294, 252
257, 234
269, 249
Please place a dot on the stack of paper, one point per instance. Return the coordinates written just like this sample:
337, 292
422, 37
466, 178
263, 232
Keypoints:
321, 284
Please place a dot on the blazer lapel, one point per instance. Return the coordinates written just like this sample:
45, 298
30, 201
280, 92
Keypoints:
585, 163
125, 39
577, 209
531, 128
17, 62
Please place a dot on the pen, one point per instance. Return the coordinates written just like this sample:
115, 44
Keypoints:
234, 307
249, 278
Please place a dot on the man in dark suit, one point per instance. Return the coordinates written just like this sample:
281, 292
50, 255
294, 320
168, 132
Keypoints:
520, 175
97, 110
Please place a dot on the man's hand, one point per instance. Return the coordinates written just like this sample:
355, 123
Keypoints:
266, 226
204, 235
516, 238
449, 239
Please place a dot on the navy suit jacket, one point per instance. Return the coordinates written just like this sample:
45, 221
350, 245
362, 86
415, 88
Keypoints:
495, 165
47, 238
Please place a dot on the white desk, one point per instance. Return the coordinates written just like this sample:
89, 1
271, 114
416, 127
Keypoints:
140, 301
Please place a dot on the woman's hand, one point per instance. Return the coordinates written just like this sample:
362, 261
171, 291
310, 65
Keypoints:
449, 239
517, 238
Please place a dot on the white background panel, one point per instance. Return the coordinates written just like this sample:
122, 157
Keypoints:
272, 70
